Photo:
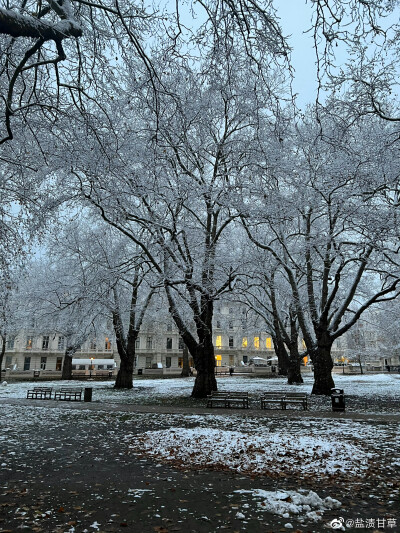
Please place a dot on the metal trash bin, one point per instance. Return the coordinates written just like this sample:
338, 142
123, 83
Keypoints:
338, 402
87, 395
140, 371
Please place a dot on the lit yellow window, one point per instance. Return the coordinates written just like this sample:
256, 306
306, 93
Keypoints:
218, 342
107, 343
218, 360
268, 343
244, 342
256, 342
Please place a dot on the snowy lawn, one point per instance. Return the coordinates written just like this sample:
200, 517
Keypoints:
317, 453
375, 393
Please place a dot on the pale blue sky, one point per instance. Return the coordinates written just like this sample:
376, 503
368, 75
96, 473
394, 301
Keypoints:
295, 18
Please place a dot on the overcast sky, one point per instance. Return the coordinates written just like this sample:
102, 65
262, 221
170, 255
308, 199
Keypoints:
295, 19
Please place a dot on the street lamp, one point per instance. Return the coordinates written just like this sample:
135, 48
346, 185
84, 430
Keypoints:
91, 366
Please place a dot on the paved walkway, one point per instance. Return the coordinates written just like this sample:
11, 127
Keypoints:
170, 409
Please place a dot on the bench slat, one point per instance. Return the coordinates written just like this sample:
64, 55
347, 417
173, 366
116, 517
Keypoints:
228, 399
68, 394
283, 398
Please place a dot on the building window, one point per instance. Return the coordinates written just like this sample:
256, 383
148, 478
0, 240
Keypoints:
148, 362
29, 342
93, 345
268, 343
137, 343
230, 342
169, 343
218, 323
245, 359
107, 344
169, 326
231, 360
218, 360
8, 361
27, 363
43, 361
230, 324
45, 342
244, 342
59, 364
181, 344
11, 342
218, 341
149, 343
180, 362
61, 342
256, 342
168, 362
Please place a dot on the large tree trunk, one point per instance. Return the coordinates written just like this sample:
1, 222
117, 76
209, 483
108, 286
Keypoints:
294, 371
323, 364
125, 373
282, 355
2, 352
204, 361
202, 350
67, 364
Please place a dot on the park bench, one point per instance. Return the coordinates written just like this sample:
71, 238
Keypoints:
283, 399
228, 399
272, 398
295, 397
39, 393
68, 394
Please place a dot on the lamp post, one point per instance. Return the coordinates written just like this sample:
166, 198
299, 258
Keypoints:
91, 366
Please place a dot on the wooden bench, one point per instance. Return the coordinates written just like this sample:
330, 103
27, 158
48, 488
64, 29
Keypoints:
228, 399
68, 394
238, 399
39, 393
295, 397
272, 398
283, 399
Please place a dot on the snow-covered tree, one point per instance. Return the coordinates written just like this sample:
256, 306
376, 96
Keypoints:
179, 160
334, 243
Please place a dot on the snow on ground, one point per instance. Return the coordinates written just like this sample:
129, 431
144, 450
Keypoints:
364, 388
289, 502
306, 448
252, 454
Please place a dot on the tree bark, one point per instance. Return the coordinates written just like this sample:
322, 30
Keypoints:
204, 361
282, 355
67, 364
125, 373
2, 352
323, 364
294, 371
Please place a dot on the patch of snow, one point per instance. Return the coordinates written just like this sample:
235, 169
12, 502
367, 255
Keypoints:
290, 502
252, 453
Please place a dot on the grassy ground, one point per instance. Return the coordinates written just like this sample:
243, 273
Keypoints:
74, 470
